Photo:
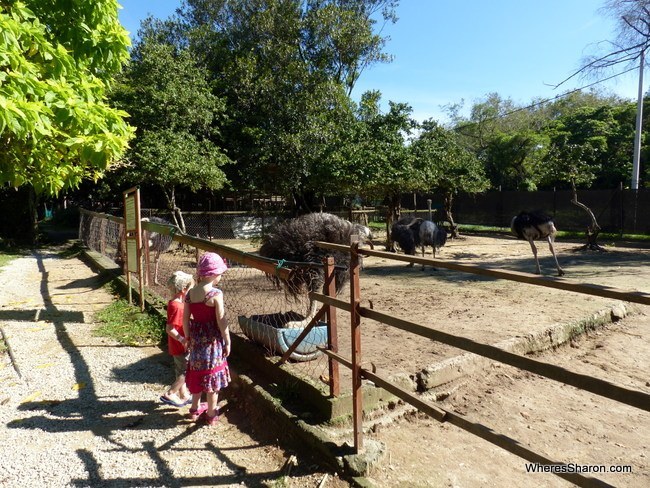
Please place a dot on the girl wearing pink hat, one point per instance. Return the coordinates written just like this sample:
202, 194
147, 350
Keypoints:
205, 326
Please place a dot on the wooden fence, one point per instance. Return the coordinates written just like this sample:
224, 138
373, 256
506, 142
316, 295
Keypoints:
637, 399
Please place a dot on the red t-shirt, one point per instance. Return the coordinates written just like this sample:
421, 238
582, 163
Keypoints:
175, 318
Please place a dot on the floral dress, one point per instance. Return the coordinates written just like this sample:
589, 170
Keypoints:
207, 368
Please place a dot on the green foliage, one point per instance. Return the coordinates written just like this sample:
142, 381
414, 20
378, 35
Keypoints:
377, 161
444, 163
176, 114
585, 137
56, 60
127, 325
286, 69
583, 143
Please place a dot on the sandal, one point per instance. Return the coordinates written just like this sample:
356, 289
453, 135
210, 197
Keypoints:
174, 403
198, 412
210, 420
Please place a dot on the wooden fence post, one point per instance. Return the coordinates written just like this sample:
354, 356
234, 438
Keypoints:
332, 332
355, 322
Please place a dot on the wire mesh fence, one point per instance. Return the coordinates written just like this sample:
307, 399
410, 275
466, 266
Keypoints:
257, 309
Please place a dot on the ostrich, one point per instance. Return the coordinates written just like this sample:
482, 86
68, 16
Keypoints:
158, 243
432, 235
406, 232
292, 240
533, 226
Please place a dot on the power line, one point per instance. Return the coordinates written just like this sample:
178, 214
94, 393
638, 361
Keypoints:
541, 102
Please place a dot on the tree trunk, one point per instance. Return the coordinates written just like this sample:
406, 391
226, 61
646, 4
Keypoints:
392, 215
448, 203
593, 229
32, 211
177, 215
302, 202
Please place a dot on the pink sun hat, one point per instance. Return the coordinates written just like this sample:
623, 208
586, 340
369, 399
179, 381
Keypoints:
211, 264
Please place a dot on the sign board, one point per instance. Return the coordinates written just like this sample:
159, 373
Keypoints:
132, 255
133, 240
130, 215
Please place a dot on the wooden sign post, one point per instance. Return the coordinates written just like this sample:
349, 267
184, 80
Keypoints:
133, 235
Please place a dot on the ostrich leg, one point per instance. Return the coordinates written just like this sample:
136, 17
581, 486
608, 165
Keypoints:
560, 271
156, 259
534, 249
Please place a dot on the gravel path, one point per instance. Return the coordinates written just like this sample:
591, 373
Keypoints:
80, 410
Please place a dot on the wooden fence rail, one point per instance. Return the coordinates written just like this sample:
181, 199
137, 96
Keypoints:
599, 387
531, 279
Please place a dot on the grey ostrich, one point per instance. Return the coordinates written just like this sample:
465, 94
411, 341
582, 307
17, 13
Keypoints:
534, 226
293, 240
413, 232
158, 243
432, 235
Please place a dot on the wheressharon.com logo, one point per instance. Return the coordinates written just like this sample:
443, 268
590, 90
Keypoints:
576, 468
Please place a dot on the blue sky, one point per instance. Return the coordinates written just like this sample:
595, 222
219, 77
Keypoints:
446, 51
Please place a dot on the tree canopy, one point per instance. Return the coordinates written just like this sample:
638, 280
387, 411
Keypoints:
56, 62
177, 117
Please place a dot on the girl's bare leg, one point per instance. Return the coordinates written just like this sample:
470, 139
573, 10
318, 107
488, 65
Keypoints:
212, 398
196, 398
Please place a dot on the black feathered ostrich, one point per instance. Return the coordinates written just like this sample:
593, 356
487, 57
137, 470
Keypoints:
293, 240
406, 233
413, 232
158, 243
534, 226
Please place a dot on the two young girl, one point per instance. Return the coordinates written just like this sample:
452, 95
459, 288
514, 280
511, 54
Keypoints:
208, 339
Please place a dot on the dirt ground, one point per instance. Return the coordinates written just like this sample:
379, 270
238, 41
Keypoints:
557, 421
484, 309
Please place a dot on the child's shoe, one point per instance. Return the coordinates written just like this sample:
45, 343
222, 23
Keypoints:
198, 412
210, 420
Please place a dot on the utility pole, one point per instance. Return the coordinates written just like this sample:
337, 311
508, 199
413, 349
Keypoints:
639, 117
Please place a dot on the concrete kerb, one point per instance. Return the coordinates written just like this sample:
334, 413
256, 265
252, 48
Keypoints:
302, 434
299, 432
458, 366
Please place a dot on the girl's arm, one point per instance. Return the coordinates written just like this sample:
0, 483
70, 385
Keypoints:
173, 313
173, 333
220, 312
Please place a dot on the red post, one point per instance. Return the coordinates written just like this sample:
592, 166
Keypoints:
355, 322
332, 331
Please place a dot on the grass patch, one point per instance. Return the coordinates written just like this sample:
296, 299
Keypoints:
125, 323
9, 253
566, 234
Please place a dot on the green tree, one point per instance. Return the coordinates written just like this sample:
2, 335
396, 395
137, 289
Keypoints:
177, 118
56, 61
285, 69
579, 151
447, 166
513, 161
377, 161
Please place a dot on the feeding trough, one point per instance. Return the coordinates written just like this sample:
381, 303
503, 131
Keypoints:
268, 330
